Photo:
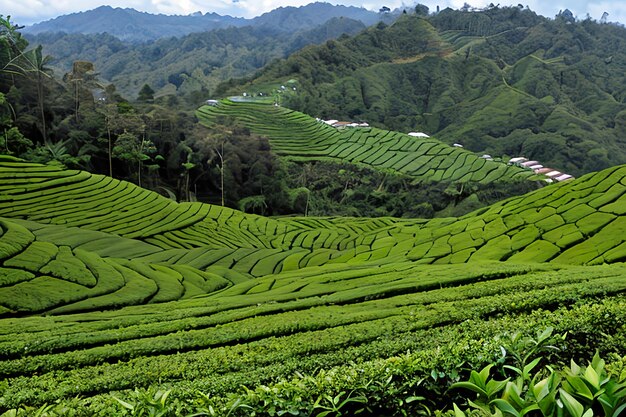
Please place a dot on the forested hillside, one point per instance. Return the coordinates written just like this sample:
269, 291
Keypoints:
198, 61
227, 312
407, 176
501, 81
83, 122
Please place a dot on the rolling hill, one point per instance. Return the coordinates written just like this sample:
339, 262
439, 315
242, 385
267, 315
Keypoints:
118, 301
361, 171
500, 81
95, 254
300, 137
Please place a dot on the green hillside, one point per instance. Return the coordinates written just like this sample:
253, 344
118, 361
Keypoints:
499, 81
187, 63
365, 171
141, 291
302, 138
75, 226
118, 301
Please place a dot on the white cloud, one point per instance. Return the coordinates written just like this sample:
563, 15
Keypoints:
31, 11
616, 11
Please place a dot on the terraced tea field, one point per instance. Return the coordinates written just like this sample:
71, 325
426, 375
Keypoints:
106, 287
302, 137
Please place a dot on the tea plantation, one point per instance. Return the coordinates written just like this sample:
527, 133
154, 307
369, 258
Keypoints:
301, 137
115, 300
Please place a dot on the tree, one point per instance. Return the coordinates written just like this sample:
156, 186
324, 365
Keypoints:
566, 15
132, 149
121, 118
421, 10
13, 142
253, 204
108, 107
218, 148
83, 79
211, 147
110, 113
37, 63
12, 46
604, 18
12, 63
146, 93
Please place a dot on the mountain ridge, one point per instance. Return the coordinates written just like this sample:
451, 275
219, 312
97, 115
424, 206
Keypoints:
194, 61
135, 26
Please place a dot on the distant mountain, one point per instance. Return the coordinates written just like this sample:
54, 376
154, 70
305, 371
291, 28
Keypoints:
134, 26
197, 61
293, 19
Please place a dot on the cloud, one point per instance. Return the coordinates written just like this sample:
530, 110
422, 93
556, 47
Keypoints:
185, 7
31, 11
616, 11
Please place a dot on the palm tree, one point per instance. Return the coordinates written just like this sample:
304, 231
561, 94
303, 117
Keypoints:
37, 63
11, 46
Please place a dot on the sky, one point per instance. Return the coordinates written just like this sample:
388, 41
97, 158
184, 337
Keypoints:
27, 12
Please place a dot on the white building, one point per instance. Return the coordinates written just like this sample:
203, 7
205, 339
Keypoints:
528, 164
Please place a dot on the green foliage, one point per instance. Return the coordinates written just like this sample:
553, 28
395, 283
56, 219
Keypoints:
574, 392
344, 189
146, 93
421, 159
67, 266
14, 142
555, 223
149, 403
13, 45
107, 289
34, 257
325, 327
14, 239
195, 62
130, 148
501, 81
527, 351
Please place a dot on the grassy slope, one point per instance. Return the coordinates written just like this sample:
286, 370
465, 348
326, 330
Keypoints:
173, 292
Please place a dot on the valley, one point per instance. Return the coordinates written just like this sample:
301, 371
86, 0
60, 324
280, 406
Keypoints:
355, 223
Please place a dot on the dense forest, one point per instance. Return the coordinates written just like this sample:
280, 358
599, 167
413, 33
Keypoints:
80, 120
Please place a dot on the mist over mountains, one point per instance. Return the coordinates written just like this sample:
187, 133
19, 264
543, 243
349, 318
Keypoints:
134, 26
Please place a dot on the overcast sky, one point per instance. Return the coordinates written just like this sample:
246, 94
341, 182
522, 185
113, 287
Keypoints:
26, 12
